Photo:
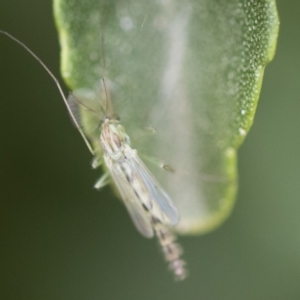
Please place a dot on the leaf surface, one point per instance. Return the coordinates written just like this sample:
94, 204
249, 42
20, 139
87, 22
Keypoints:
190, 69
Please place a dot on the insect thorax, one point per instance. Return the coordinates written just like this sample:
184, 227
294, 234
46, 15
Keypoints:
113, 139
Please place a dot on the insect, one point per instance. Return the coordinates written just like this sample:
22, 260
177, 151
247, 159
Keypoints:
148, 205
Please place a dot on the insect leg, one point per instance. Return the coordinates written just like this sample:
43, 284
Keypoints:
159, 163
97, 162
148, 131
103, 181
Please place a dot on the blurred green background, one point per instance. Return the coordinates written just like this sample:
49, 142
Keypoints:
61, 239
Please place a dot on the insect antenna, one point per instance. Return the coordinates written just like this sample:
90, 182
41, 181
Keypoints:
57, 84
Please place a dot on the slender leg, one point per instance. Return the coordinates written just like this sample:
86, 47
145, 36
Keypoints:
149, 131
159, 163
97, 162
103, 181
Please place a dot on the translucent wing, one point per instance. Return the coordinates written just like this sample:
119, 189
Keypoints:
139, 190
159, 203
133, 204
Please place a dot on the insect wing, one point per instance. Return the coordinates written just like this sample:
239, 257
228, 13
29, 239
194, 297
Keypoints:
161, 205
133, 204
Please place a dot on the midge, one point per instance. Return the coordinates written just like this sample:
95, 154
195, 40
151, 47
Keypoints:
149, 206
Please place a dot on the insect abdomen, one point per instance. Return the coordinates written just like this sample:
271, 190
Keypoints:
172, 251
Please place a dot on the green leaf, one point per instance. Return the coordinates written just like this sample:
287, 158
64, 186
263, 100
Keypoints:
191, 69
